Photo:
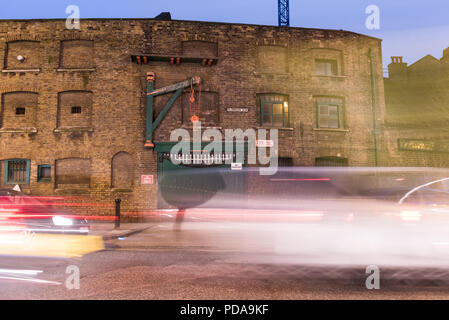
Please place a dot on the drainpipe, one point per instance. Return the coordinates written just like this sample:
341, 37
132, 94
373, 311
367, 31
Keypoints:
372, 57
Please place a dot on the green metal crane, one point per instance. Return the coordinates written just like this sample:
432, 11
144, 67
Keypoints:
152, 92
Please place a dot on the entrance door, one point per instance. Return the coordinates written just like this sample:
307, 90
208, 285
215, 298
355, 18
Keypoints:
192, 185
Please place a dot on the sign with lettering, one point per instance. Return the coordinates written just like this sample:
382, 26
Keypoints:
146, 179
264, 143
237, 109
236, 166
423, 145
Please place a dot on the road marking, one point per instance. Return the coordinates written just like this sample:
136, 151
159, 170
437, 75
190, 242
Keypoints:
31, 280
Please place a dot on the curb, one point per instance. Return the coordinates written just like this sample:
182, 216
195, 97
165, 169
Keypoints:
125, 233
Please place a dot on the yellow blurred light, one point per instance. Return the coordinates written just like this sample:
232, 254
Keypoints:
49, 245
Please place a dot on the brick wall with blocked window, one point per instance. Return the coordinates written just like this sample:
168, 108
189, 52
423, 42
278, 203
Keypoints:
251, 59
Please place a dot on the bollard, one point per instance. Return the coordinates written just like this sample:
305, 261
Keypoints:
117, 213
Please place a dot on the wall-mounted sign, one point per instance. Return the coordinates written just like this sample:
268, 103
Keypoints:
236, 166
264, 143
423, 145
146, 179
237, 109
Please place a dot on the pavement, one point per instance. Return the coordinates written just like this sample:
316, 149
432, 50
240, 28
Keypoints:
108, 231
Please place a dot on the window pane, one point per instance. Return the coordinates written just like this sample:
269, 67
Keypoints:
17, 170
44, 173
324, 121
267, 108
320, 68
267, 119
324, 110
277, 108
325, 67
333, 121
277, 120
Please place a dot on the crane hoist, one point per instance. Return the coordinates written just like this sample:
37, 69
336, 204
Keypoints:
177, 88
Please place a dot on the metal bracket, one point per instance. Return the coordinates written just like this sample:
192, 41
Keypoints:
151, 93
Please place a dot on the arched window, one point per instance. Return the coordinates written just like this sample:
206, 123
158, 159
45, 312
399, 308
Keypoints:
23, 55
77, 54
122, 170
74, 109
271, 59
19, 109
73, 172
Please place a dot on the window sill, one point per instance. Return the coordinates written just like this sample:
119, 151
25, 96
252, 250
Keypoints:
44, 181
331, 129
128, 190
73, 129
202, 127
72, 190
18, 130
272, 73
21, 70
329, 76
279, 128
75, 69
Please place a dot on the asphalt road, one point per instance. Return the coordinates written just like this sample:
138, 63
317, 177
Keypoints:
206, 261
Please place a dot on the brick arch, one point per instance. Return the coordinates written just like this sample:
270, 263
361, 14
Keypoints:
329, 53
122, 170
197, 37
76, 53
73, 172
199, 48
30, 49
19, 99
271, 59
74, 98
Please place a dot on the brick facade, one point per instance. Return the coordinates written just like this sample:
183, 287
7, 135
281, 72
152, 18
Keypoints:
417, 103
92, 68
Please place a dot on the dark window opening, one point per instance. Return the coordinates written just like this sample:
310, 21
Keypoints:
44, 173
285, 162
20, 110
76, 109
326, 67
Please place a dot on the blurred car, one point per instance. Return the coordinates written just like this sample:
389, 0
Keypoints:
21, 212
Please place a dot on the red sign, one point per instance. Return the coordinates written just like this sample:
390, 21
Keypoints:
146, 179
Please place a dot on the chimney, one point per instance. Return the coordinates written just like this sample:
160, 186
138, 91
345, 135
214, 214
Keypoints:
397, 69
444, 63
163, 16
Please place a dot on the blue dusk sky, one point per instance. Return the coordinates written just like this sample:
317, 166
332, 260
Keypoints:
409, 28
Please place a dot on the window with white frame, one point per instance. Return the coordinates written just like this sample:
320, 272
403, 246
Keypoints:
326, 67
330, 113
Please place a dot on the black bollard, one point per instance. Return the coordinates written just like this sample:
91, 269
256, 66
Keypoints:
117, 213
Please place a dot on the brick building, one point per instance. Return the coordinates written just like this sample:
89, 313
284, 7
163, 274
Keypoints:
73, 115
417, 112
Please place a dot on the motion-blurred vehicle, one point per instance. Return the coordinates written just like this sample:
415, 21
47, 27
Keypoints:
24, 213
340, 216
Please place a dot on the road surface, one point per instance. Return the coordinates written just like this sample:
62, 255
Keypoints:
204, 260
